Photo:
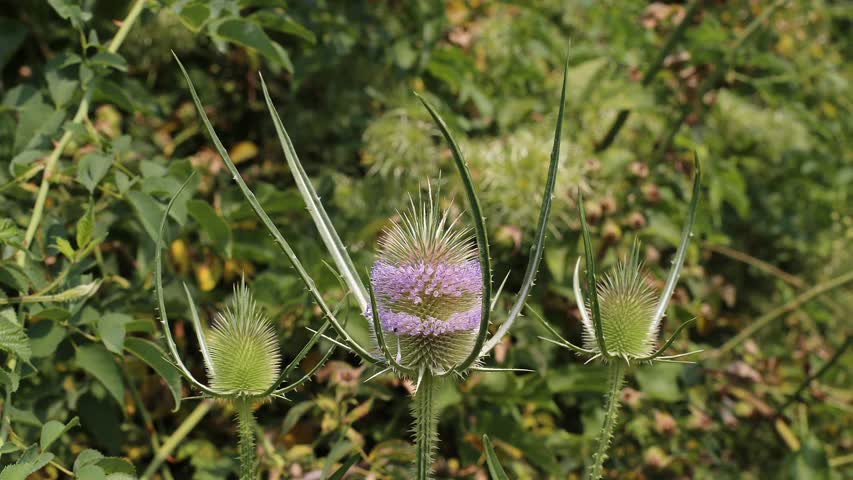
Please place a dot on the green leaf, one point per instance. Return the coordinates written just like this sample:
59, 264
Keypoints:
194, 15
61, 87
109, 59
155, 358
212, 224
91, 472
148, 210
660, 381
99, 363
16, 472
87, 457
339, 473
71, 12
53, 430
85, 228
116, 465
92, 168
45, 337
111, 329
65, 248
273, 20
13, 339
11, 379
249, 34
495, 469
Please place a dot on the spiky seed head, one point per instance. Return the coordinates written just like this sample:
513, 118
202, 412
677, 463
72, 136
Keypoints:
627, 305
429, 289
244, 354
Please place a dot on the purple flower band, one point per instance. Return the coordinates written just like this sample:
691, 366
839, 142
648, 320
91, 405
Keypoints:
406, 324
413, 282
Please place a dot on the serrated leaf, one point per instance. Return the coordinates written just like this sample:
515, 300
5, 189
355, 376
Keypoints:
212, 224
155, 358
53, 430
92, 168
99, 363
13, 339
11, 379
65, 248
85, 228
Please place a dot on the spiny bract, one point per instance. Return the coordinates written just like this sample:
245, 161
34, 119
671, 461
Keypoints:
429, 289
627, 307
244, 354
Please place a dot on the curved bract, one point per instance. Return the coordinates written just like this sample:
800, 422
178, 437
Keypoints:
431, 298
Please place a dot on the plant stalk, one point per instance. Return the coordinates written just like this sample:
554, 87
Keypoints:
426, 426
246, 431
82, 110
616, 375
177, 437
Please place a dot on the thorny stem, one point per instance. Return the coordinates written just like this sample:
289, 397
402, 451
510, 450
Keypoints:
246, 431
426, 425
53, 158
616, 375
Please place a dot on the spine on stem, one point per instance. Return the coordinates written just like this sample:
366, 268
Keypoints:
426, 425
246, 431
616, 375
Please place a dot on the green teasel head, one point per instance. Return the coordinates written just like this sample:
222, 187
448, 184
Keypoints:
244, 358
621, 314
626, 306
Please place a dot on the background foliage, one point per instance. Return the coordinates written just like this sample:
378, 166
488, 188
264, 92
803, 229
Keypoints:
761, 90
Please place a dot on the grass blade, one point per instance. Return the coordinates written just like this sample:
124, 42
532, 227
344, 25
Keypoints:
315, 208
339, 473
544, 213
270, 226
480, 231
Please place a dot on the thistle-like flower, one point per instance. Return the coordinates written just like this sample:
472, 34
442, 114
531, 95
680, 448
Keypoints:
621, 318
244, 358
432, 297
429, 289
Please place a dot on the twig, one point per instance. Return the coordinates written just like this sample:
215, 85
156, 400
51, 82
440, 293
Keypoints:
757, 263
765, 319
53, 158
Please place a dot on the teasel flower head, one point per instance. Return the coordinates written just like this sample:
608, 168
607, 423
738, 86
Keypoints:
244, 358
620, 313
428, 286
627, 306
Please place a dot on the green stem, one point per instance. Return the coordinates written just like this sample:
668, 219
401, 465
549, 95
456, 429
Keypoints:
246, 430
611, 410
426, 423
177, 437
53, 159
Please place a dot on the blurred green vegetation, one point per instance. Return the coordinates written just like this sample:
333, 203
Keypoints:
760, 90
